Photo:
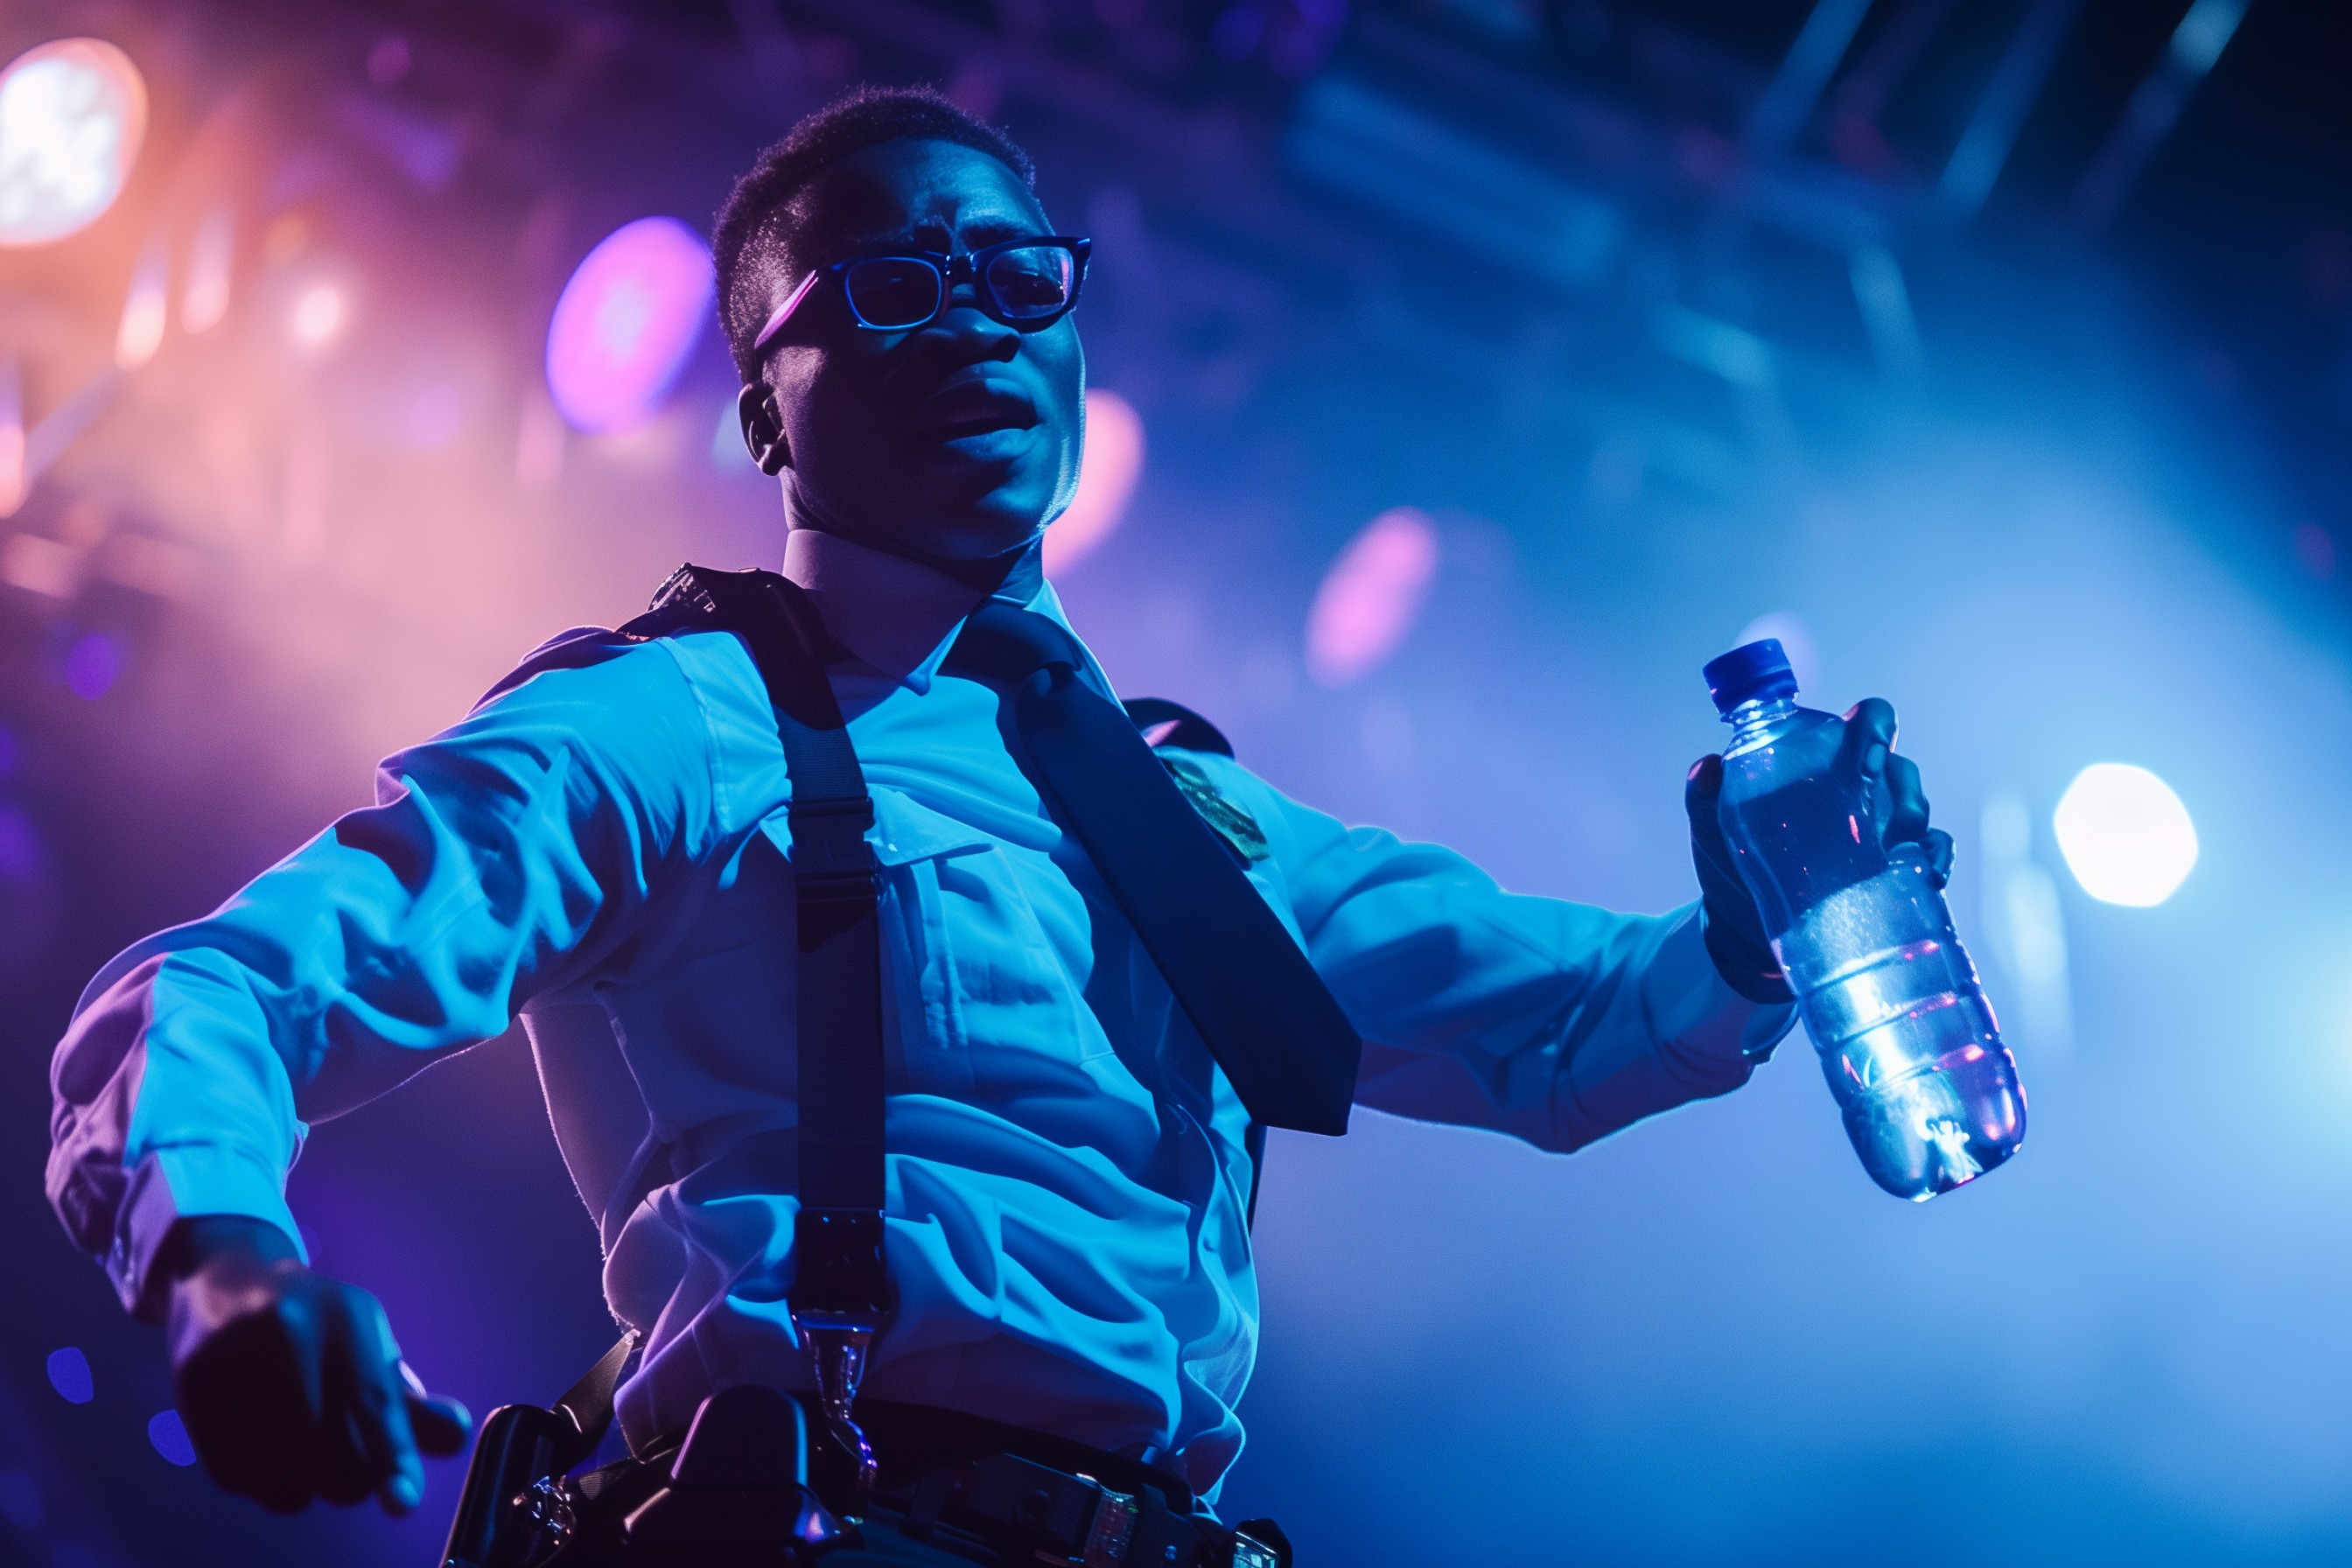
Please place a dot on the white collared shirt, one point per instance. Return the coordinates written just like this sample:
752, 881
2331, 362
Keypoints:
601, 848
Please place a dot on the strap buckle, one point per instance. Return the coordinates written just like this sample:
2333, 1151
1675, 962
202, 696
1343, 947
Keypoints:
837, 1352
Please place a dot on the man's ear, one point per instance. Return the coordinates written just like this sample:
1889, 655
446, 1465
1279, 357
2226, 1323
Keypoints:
763, 429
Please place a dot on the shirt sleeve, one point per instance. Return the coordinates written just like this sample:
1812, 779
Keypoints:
502, 858
1556, 1022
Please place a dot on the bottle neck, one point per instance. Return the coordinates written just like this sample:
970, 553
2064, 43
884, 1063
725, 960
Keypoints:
1758, 723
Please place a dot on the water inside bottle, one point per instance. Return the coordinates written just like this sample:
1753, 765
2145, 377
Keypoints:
1907, 1039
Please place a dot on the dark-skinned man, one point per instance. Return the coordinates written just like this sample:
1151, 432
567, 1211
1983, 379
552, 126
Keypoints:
605, 848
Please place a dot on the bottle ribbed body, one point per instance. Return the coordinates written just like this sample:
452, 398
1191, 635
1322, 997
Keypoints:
1907, 1039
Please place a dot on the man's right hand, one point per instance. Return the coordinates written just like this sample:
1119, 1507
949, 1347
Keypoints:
289, 1382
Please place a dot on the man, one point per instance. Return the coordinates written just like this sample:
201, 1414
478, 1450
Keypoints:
603, 848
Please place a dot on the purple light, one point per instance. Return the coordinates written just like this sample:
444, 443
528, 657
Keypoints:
171, 1438
1371, 595
94, 665
1108, 471
70, 1375
625, 323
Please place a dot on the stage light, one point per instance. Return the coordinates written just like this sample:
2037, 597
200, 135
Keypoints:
143, 308
171, 1438
1107, 475
72, 114
318, 315
1371, 595
625, 323
211, 252
69, 1374
2125, 835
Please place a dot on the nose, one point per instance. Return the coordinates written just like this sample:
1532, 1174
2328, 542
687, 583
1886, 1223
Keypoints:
965, 334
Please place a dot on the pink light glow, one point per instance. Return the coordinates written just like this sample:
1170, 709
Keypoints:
625, 323
1371, 595
1107, 476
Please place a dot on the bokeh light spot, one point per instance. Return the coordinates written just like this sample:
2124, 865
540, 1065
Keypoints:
69, 1374
625, 323
2126, 836
145, 313
1107, 475
318, 315
94, 665
72, 114
171, 1438
1371, 595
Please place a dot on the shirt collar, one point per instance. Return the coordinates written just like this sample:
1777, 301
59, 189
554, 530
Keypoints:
898, 616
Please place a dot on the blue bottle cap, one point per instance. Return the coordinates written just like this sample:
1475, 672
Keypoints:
1751, 672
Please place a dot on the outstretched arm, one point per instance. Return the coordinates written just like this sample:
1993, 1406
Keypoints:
502, 855
1553, 1021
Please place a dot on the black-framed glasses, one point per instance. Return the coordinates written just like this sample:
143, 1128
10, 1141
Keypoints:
1028, 284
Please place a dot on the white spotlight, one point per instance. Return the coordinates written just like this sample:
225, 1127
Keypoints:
317, 314
72, 114
2126, 836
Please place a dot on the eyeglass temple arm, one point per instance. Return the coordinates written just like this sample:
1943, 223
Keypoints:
783, 312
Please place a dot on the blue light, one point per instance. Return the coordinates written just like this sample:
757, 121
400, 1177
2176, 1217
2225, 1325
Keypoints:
171, 1438
69, 1374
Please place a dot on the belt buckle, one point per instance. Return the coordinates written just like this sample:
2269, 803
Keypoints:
1249, 1552
1112, 1528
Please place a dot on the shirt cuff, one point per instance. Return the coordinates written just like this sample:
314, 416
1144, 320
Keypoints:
1696, 1013
186, 1183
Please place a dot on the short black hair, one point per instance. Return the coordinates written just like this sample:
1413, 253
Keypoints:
748, 242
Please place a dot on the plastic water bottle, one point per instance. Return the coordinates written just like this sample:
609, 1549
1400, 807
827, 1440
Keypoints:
1893, 1007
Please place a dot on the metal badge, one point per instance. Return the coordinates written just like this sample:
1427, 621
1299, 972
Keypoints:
1234, 824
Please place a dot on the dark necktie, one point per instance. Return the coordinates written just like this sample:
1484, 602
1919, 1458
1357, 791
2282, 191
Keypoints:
1264, 1013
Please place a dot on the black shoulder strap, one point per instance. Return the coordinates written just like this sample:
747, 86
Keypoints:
840, 1277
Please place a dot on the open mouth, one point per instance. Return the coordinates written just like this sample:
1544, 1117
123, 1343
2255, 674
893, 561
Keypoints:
964, 409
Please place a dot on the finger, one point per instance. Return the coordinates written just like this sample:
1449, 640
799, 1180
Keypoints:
441, 1424
1938, 845
1907, 821
365, 1434
1703, 795
1705, 781
389, 1438
1868, 741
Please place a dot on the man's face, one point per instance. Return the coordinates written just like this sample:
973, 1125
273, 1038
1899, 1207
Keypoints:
959, 440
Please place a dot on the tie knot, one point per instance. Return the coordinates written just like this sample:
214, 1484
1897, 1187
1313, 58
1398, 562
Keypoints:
1004, 645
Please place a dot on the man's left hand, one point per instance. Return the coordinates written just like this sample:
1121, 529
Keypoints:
1735, 931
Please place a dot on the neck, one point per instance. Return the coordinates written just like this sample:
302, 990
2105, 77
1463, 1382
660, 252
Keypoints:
985, 574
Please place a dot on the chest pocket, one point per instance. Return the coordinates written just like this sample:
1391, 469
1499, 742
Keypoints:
986, 952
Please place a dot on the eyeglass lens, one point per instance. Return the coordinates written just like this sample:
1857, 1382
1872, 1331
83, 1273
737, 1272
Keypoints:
893, 291
1025, 283
1030, 280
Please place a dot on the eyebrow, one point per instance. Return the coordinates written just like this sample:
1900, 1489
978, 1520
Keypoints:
981, 232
